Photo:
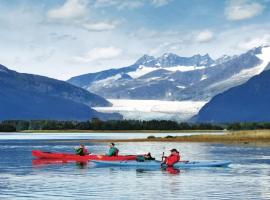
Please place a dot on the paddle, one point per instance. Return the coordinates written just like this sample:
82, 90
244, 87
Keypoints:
184, 161
162, 156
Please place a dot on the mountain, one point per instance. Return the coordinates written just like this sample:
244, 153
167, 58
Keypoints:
52, 87
245, 103
26, 96
172, 77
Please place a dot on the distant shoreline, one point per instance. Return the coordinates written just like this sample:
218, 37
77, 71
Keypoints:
253, 136
120, 131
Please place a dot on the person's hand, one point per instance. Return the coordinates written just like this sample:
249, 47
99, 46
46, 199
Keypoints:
163, 165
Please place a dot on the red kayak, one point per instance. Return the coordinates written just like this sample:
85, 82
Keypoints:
73, 157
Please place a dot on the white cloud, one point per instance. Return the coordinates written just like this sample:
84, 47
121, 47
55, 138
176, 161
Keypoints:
205, 36
100, 26
120, 4
130, 4
74, 13
70, 10
242, 9
99, 53
255, 42
159, 3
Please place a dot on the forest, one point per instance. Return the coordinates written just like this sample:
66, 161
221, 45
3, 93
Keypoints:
96, 124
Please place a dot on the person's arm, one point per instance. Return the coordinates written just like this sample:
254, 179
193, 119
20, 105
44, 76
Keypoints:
165, 159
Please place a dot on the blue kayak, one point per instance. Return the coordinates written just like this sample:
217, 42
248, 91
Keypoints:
157, 164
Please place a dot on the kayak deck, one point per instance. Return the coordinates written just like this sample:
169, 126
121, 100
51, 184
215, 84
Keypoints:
157, 164
73, 157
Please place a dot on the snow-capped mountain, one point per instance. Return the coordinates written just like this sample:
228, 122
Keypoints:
172, 60
171, 77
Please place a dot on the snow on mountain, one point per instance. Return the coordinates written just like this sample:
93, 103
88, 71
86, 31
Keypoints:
223, 59
153, 109
108, 81
184, 68
265, 57
174, 78
172, 60
181, 86
140, 71
245, 74
203, 77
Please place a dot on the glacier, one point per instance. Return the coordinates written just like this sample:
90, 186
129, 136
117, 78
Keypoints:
153, 109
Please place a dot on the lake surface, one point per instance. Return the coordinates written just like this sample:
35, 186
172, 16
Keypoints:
20, 178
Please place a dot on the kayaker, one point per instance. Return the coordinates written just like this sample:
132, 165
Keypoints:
148, 156
81, 150
172, 159
113, 151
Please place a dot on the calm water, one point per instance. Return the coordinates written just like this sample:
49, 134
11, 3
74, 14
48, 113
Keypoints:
247, 178
45, 136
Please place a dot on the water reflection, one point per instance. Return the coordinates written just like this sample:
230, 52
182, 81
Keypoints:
43, 162
81, 165
172, 170
85, 164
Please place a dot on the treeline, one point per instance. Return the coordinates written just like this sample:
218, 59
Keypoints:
96, 124
248, 126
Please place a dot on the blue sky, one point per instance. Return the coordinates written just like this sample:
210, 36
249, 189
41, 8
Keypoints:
64, 38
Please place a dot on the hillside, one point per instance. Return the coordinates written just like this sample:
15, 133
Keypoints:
27, 96
245, 103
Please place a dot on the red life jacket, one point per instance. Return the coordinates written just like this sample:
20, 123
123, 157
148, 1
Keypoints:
172, 159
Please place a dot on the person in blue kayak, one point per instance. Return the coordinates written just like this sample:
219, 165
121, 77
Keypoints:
81, 150
171, 159
113, 151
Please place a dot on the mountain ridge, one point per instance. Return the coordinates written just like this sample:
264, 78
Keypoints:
179, 78
28, 96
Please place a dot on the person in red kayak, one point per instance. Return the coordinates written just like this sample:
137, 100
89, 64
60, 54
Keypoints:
171, 159
81, 150
148, 156
113, 151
